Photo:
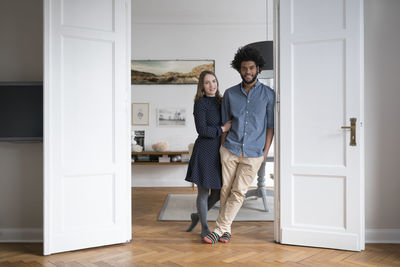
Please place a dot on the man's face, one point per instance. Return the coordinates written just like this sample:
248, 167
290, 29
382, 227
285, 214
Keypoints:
249, 71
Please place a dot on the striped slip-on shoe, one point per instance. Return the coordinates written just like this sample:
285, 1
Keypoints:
211, 238
225, 238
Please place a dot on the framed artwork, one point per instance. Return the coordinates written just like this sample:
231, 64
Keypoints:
140, 113
168, 71
171, 117
139, 137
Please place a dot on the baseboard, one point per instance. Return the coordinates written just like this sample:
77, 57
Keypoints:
382, 236
21, 235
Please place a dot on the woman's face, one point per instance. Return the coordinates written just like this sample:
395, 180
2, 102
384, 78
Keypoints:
210, 85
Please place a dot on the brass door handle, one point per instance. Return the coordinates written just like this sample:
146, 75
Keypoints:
352, 131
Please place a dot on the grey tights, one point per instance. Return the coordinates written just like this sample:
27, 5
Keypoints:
204, 202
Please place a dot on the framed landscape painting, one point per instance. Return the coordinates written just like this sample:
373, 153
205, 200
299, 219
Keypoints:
168, 71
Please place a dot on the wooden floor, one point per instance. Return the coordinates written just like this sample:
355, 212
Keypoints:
167, 244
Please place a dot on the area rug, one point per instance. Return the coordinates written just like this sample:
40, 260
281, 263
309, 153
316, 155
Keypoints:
178, 207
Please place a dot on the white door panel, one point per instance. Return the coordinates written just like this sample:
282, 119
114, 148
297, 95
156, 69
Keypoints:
96, 15
313, 16
318, 111
320, 78
87, 143
86, 65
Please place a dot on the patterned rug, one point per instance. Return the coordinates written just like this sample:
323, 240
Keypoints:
178, 207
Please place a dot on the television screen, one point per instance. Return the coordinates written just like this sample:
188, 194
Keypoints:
21, 111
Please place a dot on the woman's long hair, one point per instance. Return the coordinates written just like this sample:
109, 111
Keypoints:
200, 87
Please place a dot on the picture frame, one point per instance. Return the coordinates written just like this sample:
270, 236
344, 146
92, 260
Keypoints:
140, 113
175, 117
139, 137
169, 71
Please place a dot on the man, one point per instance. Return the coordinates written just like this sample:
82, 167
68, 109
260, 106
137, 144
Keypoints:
250, 106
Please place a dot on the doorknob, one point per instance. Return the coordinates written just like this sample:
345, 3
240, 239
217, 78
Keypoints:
352, 128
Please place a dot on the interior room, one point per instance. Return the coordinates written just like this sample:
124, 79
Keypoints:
191, 32
198, 31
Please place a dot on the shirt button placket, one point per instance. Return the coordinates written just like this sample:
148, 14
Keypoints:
245, 125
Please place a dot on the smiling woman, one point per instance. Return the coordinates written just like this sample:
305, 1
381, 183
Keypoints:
205, 165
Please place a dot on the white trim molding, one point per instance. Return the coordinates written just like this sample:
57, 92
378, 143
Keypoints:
21, 235
382, 236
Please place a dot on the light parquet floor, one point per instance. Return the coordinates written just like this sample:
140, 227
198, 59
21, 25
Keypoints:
157, 243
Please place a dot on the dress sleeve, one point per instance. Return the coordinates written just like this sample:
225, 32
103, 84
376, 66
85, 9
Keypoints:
200, 119
225, 114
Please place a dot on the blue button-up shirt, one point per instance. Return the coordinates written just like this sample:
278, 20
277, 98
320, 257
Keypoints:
251, 115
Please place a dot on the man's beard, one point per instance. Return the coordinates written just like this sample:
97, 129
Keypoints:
252, 80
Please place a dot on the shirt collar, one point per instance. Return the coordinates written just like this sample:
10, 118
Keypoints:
254, 86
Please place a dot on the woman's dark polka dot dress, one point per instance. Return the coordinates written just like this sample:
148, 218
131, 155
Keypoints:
205, 165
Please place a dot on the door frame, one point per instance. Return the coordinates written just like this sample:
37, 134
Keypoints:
277, 151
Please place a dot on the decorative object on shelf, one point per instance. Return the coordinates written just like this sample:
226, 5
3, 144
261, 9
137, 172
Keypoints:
176, 158
164, 158
185, 158
168, 71
160, 146
171, 117
190, 148
133, 141
137, 148
138, 137
140, 113
134, 146
142, 158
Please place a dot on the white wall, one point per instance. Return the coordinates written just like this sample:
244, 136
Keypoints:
179, 29
21, 42
21, 164
382, 124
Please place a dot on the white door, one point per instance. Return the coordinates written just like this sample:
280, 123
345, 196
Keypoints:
87, 197
321, 88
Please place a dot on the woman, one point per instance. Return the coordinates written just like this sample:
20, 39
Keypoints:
205, 167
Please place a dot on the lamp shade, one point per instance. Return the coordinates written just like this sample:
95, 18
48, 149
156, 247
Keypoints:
266, 48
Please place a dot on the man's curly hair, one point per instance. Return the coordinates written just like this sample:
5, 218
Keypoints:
247, 53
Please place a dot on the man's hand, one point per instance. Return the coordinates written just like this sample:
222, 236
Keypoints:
223, 137
227, 126
268, 141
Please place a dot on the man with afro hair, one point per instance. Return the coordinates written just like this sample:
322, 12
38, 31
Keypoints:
250, 106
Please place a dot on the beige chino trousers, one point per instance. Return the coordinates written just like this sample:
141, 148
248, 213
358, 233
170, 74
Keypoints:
238, 173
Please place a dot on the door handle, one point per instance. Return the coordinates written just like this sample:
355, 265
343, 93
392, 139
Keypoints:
352, 128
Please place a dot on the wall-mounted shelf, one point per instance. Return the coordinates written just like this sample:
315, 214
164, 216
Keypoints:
153, 155
160, 153
159, 163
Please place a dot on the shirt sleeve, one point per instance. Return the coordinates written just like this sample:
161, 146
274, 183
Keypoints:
270, 109
200, 120
225, 114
